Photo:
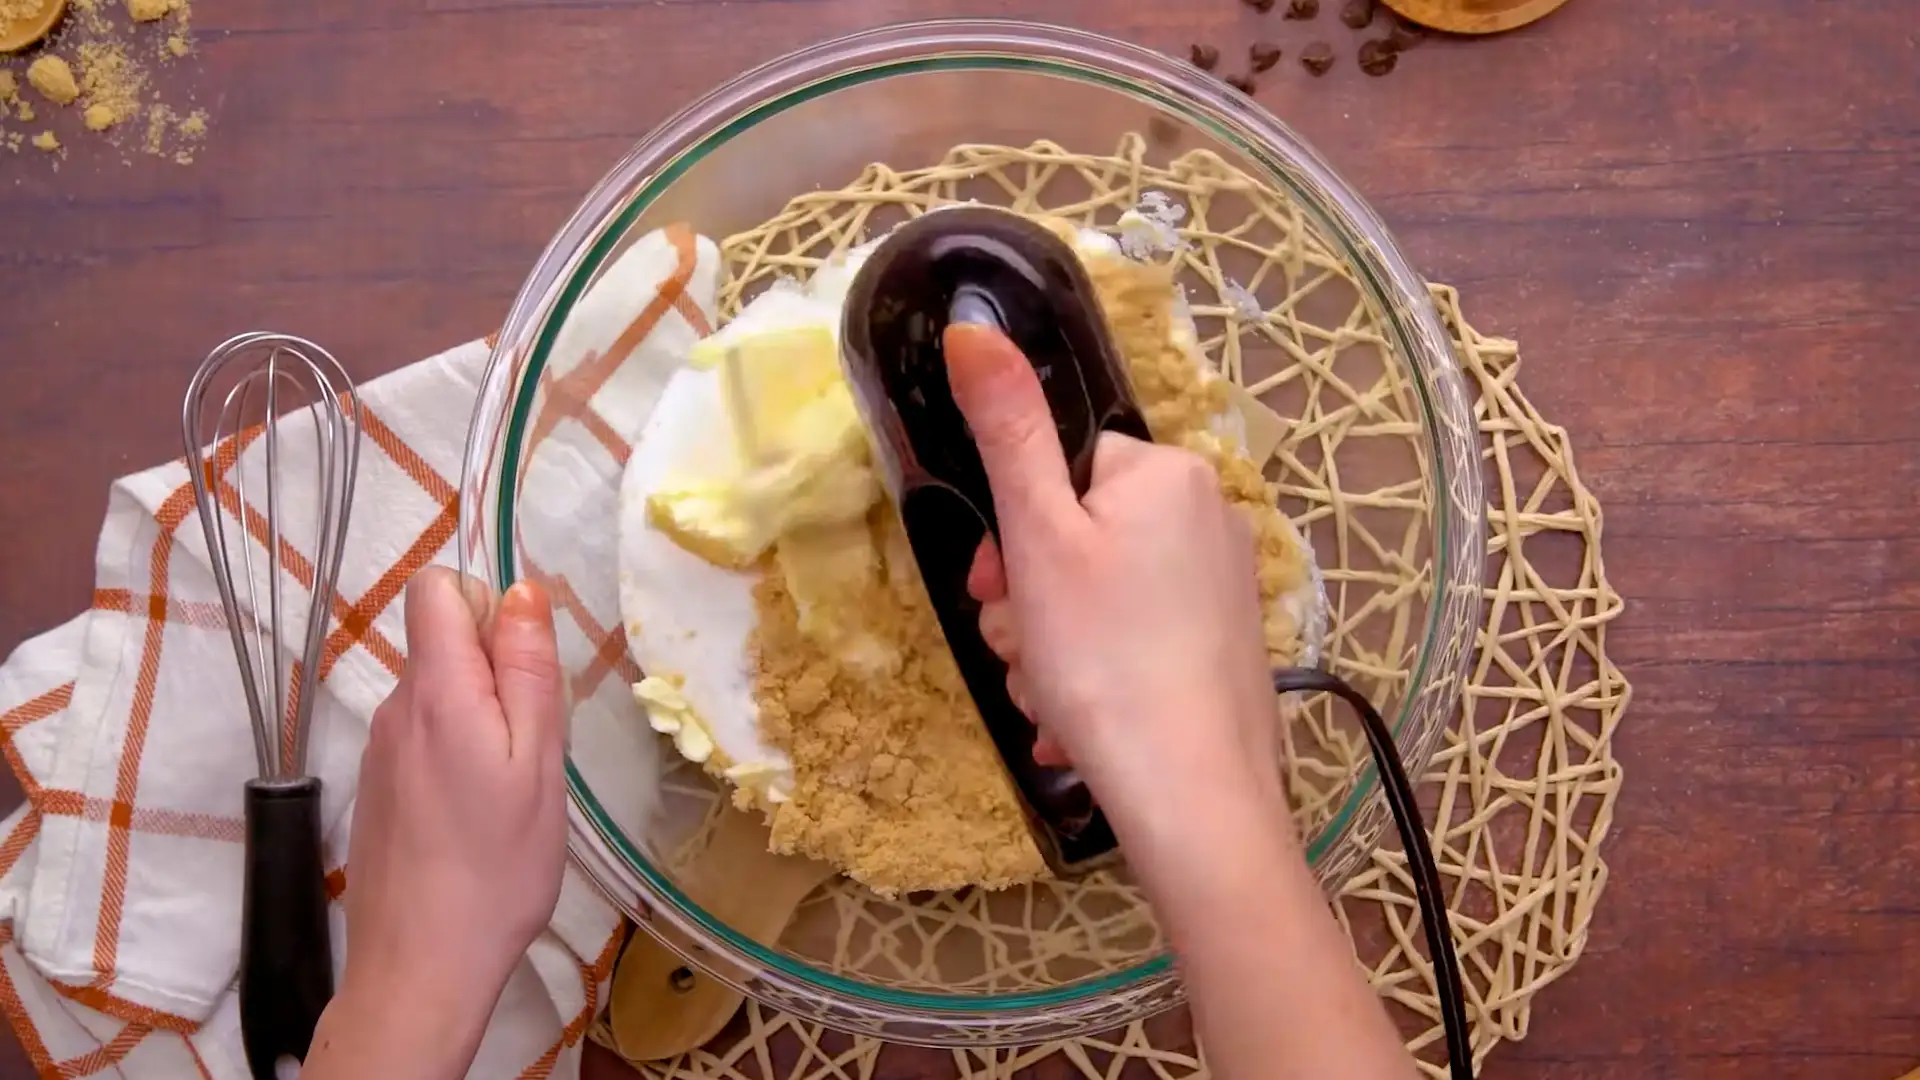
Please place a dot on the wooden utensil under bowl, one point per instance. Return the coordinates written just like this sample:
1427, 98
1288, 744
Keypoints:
661, 1005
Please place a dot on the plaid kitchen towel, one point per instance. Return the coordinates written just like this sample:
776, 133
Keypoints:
120, 878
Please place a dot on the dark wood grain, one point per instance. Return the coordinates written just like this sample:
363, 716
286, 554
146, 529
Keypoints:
1701, 219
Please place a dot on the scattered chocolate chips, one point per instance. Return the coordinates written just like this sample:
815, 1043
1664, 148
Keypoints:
1405, 35
1378, 57
1317, 58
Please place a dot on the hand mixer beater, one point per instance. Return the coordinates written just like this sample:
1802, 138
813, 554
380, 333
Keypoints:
262, 403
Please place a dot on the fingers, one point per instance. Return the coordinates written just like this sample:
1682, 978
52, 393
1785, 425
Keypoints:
1115, 454
526, 672
1007, 411
987, 578
443, 616
999, 630
1048, 751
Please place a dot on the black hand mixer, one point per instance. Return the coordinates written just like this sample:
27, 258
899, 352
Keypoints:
982, 264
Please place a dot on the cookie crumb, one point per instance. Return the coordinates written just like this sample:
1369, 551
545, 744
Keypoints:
177, 46
54, 79
47, 141
149, 10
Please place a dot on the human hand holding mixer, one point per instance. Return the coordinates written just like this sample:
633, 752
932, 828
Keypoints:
1131, 630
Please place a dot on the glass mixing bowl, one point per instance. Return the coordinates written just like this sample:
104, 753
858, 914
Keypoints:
1297, 292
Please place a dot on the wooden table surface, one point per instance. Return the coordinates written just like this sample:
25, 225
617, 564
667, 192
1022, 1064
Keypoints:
1701, 219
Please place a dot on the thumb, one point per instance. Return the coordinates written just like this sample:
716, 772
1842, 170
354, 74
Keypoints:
526, 672
1005, 407
443, 616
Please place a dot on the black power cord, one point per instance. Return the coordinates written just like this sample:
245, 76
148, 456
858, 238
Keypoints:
1413, 838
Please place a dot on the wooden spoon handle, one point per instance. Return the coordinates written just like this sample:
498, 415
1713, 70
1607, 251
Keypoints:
661, 1006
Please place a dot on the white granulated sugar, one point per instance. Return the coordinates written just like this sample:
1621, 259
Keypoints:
1152, 228
1242, 303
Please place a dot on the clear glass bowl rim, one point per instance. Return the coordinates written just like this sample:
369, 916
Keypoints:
595, 230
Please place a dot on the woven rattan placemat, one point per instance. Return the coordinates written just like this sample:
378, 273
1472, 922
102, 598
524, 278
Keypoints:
1520, 793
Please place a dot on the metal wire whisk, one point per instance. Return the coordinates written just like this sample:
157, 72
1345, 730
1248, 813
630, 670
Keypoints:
276, 382
275, 373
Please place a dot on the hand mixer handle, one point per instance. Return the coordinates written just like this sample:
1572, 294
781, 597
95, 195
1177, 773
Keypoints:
286, 955
984, 265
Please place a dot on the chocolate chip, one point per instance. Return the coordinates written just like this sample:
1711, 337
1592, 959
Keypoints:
1378, 57
1264, 55
1302, 9
1357, 14
1242, 83
1405, 35
1205, 57
1259, 5
1317, 58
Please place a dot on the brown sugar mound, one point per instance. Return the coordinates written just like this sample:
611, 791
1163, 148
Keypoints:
895, 778
1180, 404
150, 10
54, 79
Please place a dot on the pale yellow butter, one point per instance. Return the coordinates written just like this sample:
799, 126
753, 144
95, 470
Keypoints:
669, 713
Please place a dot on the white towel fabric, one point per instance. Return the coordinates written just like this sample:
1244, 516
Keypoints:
120, 878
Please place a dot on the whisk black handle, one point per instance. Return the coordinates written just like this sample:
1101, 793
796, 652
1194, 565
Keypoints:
286, 954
